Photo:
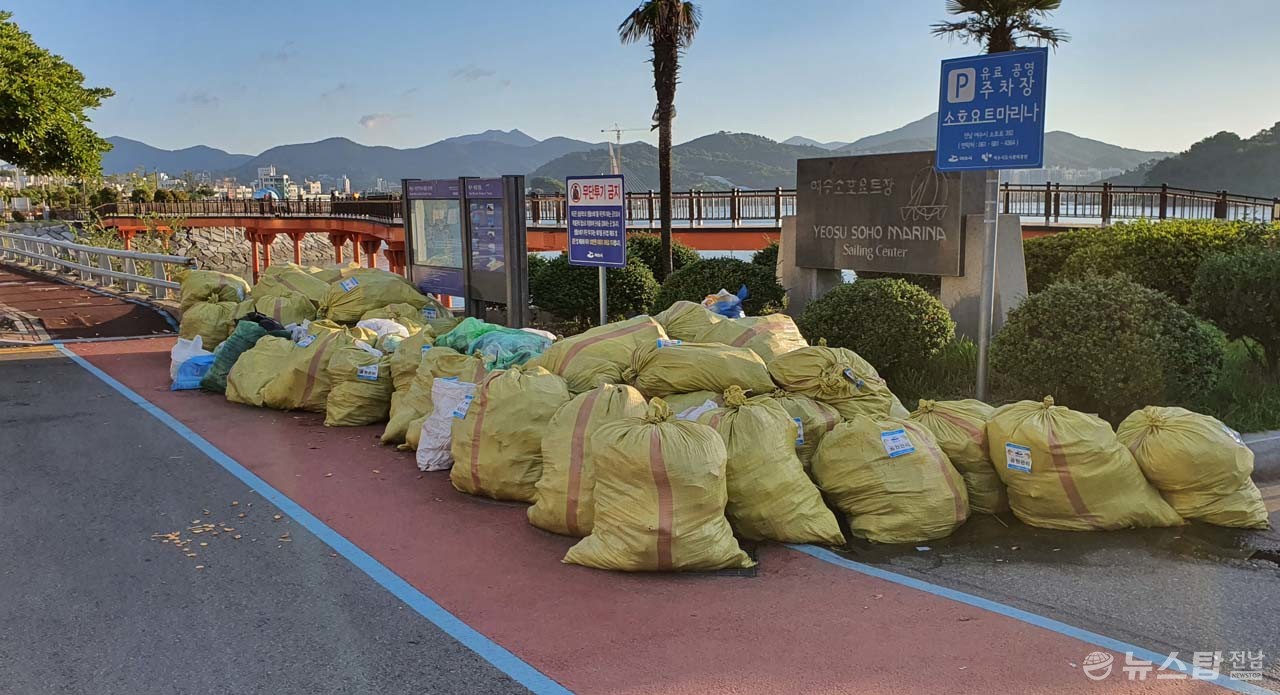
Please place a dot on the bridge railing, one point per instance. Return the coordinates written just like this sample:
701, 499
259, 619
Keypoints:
94, 263
1104, 203
735, 207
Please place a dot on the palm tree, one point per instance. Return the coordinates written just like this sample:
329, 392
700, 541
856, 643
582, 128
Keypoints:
669, 27
1001, 24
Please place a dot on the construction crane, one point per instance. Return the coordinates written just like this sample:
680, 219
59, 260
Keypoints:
615, 150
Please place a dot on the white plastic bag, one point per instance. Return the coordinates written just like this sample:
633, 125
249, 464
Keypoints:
184, 350
447, 396
384, 327
694, 412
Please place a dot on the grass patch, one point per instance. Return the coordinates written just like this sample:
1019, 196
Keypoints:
948, 375
1247, 396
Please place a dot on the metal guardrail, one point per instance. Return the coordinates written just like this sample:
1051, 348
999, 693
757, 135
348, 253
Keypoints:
94, 263
1106, 202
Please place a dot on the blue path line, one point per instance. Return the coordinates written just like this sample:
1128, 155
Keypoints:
1040, 621
489, 650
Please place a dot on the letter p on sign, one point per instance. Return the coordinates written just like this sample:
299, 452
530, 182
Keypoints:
960, 85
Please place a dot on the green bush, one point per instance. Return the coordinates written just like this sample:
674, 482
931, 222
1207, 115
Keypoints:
1161, 255
892, 323
18, 216
647, 249
767, 257
140, 195
537, 262
1106, 345
710, 275
573, 292
1046, 255
929, 283
1240, 293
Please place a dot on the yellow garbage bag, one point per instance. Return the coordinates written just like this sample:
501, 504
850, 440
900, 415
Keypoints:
255, 368
302, 382
209, 286
814, 420
667, 367
436, 363
1066, 470
212, 321
333, 273
685, 320
660, 501
600, 355
407, 356
891, 479
839, 377
681, 402
770, 497
961, 430
1200, 466
438, 316
406, 315
564, 502
767, 336
366, 289
361, 392
287, 278
284, 306
497, 444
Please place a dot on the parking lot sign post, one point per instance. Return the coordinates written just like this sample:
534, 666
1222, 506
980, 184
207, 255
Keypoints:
991, 116
597, 227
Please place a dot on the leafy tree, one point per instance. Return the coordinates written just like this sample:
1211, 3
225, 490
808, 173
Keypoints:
1000, 25
43, 125
669, 26
202, 191
104, 195
140, 195
161, 196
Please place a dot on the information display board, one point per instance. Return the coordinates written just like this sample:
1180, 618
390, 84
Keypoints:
435, 225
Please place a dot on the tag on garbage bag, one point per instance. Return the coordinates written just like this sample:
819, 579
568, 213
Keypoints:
461, 411
799, 431
896, 443
1017, 457
857, 383
429, 312
349, 284
368, 372
309, 339
667, 342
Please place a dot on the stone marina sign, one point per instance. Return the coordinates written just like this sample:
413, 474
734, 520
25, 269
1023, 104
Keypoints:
890, 213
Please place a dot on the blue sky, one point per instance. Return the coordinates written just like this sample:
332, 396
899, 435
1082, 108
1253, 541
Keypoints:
243, 76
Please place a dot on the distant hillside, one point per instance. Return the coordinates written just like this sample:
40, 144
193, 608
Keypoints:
129, 155
719, 161
1224, 162
508, 137
798, 140
1061, 149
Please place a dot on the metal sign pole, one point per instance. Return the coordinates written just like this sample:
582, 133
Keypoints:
604, 297
987, 301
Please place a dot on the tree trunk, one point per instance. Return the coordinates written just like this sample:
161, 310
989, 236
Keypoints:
665, 66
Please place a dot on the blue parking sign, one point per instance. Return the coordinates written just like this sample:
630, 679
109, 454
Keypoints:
991, 111
596, 208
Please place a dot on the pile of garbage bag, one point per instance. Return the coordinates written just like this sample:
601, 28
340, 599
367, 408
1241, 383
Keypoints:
660, 441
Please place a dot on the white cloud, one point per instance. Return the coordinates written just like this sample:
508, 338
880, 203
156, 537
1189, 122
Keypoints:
378, 120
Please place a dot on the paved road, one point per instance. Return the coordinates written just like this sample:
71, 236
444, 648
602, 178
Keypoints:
63, 311
295, 616
94, 603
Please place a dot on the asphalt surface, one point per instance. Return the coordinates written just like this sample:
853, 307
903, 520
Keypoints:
67, 311
94, 601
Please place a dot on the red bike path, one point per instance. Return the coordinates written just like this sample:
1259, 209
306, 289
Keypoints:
800, 625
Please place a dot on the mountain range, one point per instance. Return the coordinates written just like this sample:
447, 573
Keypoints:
719, 160
1222, 162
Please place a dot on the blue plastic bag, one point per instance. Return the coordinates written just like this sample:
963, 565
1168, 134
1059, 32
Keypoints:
725, 304
191, 372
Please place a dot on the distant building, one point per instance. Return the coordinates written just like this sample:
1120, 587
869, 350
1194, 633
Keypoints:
313, 188
346, 185
269, 180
